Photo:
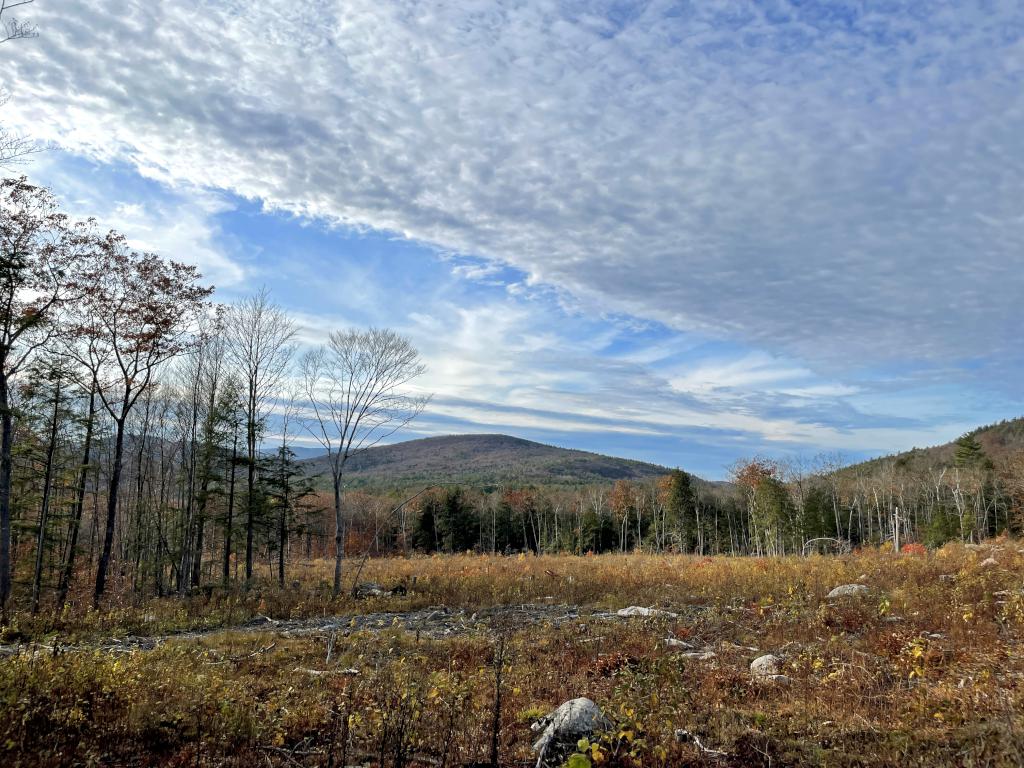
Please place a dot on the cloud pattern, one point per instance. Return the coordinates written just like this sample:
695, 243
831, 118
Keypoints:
835, 179
828, 189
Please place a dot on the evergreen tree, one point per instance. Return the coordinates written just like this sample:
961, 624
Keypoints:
457, 525
424, 535
286, 489
681, 509
970, 454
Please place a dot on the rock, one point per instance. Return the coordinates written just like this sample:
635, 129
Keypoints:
674, 642
848, 590
370, 589
636, 610
698, 655
947, 577
564, 727
988, 562
768, 665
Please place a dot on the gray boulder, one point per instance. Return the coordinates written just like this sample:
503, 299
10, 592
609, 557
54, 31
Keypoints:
768, 669
848, 590
563, 727
768, 665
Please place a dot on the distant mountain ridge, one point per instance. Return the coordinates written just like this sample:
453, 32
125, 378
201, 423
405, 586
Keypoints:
487, 460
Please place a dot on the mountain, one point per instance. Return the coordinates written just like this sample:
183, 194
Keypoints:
997, 440
485, 460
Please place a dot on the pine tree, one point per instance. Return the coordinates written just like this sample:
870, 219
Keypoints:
681, 509
970, 453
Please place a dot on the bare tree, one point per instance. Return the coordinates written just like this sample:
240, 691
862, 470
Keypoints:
261, 345
11, 28
356, 386
137, 311
203, 376
13, 147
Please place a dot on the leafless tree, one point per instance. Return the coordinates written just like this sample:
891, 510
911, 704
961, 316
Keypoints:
14, 147
356, 385
260, 338
12, 28
135, 313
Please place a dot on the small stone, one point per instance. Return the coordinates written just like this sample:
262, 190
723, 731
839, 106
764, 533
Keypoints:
848, 590
988, 562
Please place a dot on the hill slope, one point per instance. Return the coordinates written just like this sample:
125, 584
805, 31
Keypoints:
998, 441
481, 460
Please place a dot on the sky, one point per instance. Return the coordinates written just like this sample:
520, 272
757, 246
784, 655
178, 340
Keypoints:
678, 232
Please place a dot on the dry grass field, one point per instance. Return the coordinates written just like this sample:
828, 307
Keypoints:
927, 669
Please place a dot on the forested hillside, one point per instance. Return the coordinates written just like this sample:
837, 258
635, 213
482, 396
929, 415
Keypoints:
481, 460
998, 441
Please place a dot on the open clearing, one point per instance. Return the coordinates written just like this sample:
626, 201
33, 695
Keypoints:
925, 668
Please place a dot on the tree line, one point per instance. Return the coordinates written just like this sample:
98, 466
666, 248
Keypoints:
146, 432
768, 508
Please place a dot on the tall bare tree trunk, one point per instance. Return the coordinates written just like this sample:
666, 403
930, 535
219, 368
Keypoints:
44, 511
6, 471
76, 515
339, 534
113, 488
250, 505
231, 510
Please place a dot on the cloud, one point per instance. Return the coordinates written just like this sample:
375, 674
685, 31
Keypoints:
823, 180
181, 225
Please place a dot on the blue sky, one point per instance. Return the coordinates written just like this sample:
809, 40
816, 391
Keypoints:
680, 232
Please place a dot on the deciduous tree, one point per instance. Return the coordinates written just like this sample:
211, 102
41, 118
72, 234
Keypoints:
357, 386
137, 311
38, 246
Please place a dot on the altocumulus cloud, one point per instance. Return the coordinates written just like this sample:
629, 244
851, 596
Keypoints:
835, 181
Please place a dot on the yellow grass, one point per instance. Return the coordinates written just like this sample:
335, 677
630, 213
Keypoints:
925, 671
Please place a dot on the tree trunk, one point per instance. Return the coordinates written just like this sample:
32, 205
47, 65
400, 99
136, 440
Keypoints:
282, 533
113, 488
44, 511
339, 534
6, 467
197, 557
250, 505
76, 515
231, 510
282, 522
